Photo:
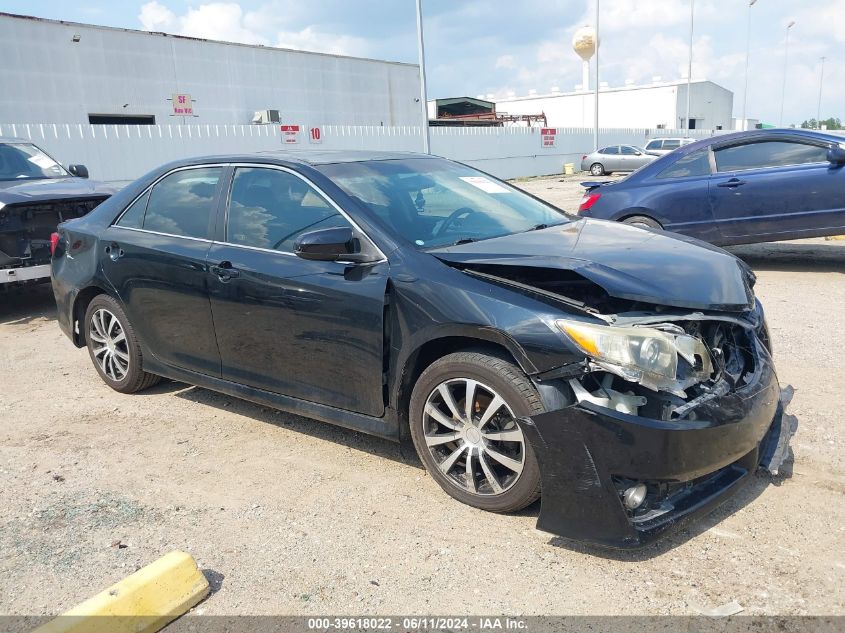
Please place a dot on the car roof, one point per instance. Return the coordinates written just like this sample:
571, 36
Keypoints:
773, 133
302, 157
327, 156
7, 140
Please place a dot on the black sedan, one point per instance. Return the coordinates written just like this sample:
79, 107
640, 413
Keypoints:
625, 374
757, 186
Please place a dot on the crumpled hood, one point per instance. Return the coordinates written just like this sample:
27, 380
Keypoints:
627, 262
28, 191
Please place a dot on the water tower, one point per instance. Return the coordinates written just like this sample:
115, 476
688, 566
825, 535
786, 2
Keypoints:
584, 45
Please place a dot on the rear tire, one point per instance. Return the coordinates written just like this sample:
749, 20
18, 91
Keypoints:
502, 474
642, 221
597, 169
114, 347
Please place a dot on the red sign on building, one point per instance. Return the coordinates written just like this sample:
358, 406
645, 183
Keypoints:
290, 134
547, 136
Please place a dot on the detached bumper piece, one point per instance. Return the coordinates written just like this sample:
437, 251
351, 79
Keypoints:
592, 458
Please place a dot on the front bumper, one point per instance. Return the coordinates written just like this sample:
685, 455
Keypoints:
23, 274
690, 467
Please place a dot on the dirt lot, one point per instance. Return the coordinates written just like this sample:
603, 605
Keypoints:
290, 516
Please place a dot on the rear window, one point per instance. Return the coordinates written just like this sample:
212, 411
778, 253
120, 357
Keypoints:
181, 204
672, 143
695, 164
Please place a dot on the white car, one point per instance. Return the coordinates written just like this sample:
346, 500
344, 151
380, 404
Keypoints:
661, 146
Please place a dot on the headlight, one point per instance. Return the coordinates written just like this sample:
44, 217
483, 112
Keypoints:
635, 348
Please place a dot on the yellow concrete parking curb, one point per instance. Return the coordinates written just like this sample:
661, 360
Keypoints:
835, 237
141, 603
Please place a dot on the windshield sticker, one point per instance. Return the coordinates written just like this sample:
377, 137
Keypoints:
42, 161
485, 184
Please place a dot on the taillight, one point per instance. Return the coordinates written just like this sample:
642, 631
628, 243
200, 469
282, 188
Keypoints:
588, 201
54, 242
584, 157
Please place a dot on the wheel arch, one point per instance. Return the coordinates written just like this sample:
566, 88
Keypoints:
484, 340
80, 304
631, 212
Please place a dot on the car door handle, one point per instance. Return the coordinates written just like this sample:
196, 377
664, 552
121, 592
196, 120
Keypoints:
225, 272
733, 182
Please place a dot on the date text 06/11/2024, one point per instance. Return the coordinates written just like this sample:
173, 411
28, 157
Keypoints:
424, 623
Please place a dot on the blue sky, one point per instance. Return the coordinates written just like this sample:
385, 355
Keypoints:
479, 47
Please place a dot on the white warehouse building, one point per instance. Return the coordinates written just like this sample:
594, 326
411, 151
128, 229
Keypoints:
63, 72
659, 105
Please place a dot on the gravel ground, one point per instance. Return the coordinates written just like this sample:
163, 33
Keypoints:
291, 516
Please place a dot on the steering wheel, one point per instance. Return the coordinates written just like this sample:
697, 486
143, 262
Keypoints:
463, 211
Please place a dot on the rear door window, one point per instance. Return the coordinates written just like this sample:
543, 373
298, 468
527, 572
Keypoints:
182, 203
672, 143
695, 164
610, 150
768, 154
133, 217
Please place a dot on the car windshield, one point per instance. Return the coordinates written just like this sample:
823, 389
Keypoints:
24, 161
435, 202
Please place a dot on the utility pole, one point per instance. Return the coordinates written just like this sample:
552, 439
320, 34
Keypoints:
423, 97
785, 66
596, 113
821, 83
689, 69
747, 51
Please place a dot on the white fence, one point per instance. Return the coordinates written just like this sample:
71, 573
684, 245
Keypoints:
124, 152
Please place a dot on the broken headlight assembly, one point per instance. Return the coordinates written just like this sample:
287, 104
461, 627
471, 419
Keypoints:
645, 355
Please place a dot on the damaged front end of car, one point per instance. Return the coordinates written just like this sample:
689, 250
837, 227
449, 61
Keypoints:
667, 412
667, 419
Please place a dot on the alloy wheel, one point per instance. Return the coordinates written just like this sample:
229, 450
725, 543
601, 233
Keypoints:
110, 349
473, 437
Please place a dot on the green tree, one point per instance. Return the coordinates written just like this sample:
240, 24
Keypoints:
833, 123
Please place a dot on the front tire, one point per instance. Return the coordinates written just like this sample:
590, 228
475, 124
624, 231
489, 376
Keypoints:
463, 423
597, 169
114, 347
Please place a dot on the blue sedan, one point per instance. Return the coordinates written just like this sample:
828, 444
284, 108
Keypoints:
757, 186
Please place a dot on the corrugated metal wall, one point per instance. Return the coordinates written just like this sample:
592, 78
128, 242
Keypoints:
124, 152
62, 72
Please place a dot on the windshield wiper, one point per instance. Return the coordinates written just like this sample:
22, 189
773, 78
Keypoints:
465, 240
538, 227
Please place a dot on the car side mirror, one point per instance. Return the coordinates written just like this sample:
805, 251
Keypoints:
836, 154
638, 153
331, 245
80, 171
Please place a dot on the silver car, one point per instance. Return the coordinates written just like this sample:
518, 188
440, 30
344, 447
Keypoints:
661, 146
615, 158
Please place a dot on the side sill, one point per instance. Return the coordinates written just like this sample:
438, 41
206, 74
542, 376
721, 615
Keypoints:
385, 427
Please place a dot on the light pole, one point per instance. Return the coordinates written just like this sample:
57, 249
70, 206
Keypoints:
821, 83
596, 113
689, 69
785, 65
423, 98
751, 3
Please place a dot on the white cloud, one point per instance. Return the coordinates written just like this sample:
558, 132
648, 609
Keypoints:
309, 39
227, 21
505, 61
